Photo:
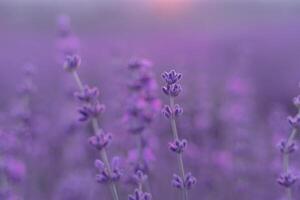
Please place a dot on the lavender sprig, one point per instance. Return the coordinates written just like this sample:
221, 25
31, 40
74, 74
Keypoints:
172, 89
287, 147
90, 110
138, 192
142, 107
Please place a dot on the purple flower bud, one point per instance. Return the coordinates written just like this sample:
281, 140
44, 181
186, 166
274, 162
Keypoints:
135, 63
189, 181
177, 182
172, 90
294, 121
87, 94
171, 77
72, 62
29, 69
99, 165
100, 140
296, 101
140, 177
104, 176
166, 89
287, 149
167, 111
91, 110
287, 179
178, 110
139, 195
175, 90
178, 145
116, 172
84, 114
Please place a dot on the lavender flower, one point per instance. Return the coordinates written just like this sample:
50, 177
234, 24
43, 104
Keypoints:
100, 140
140, 195
142, 106
294, 121
287, 179
188, 182
178, 145
172, 89
91, 109
104, 176
138, 192
72, 62
287, 149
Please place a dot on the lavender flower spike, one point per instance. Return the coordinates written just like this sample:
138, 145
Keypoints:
91, 109
138, 192
172, 89
287, 147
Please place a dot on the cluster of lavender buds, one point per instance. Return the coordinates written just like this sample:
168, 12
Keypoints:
104, 176
90, 109
172, 89
138, 192
287, 147
142, 106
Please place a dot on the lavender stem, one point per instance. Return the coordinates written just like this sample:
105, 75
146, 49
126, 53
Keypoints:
179, 156
286, 156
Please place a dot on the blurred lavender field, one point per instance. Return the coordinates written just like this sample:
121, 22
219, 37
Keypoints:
240, 66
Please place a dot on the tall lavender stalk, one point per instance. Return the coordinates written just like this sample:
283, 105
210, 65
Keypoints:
172, 89
288, 146
138, 192
90, 109
142, 107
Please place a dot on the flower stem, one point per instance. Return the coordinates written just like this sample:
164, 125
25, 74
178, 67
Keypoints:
179, 156
103, 152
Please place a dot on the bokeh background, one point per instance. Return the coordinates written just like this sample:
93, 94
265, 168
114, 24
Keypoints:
240, 64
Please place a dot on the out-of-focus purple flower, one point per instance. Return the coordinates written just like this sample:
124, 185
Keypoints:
296, 101
287, 149
171, 77
287, 179
178, 145
64, 25
100, 140
72, 62
139, 195
136, 63
294, 121
140, 176
14, 169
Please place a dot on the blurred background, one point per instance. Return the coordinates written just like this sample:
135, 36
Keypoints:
240, 64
